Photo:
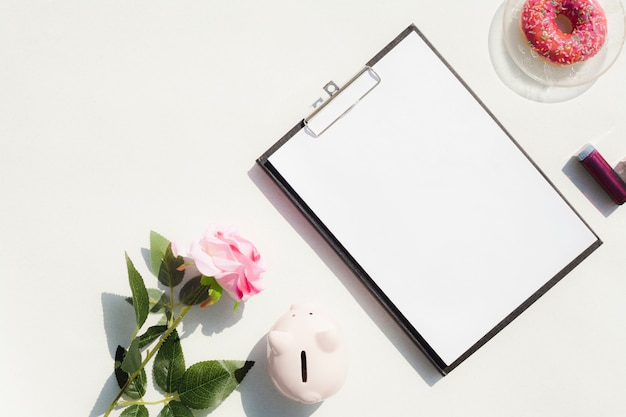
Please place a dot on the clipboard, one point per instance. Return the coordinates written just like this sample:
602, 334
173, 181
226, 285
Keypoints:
429, 200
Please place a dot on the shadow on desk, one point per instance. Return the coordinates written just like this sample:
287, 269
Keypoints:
366, 300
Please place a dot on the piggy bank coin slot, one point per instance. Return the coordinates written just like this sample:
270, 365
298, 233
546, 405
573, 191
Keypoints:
303, 365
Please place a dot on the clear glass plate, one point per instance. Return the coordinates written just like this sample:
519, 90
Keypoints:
548, 73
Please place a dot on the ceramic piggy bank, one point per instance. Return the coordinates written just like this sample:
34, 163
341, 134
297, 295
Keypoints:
306, 355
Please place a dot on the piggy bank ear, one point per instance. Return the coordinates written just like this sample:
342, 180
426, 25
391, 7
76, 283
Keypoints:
328, 340
302, 307
279, 341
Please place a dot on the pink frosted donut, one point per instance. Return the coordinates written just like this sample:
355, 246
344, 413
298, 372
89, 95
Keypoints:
539, 24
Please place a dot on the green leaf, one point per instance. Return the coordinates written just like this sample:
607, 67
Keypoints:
137, 388
215, 293
204, 280
158, 246
194, 292
215, 289
132, 359
159, 301
239, 369
135, 410
207, 384
141, 301
151, 335
169, 364
175, 409
165, 266
120, 375
165, 320
171, 272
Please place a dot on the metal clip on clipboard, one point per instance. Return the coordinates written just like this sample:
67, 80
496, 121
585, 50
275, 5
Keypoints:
340, 103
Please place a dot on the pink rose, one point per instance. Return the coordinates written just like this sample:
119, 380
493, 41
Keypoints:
233, 261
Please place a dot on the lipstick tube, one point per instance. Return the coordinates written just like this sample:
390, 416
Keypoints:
599, 169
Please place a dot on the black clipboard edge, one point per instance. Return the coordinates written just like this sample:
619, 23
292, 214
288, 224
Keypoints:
342, 252
526, 304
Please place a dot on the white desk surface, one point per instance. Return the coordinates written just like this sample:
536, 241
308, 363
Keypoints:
117, 118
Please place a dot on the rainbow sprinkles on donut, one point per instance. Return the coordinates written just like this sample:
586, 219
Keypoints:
546, 25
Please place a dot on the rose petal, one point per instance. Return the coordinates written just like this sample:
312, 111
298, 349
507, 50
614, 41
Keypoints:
177, 250
233, 260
